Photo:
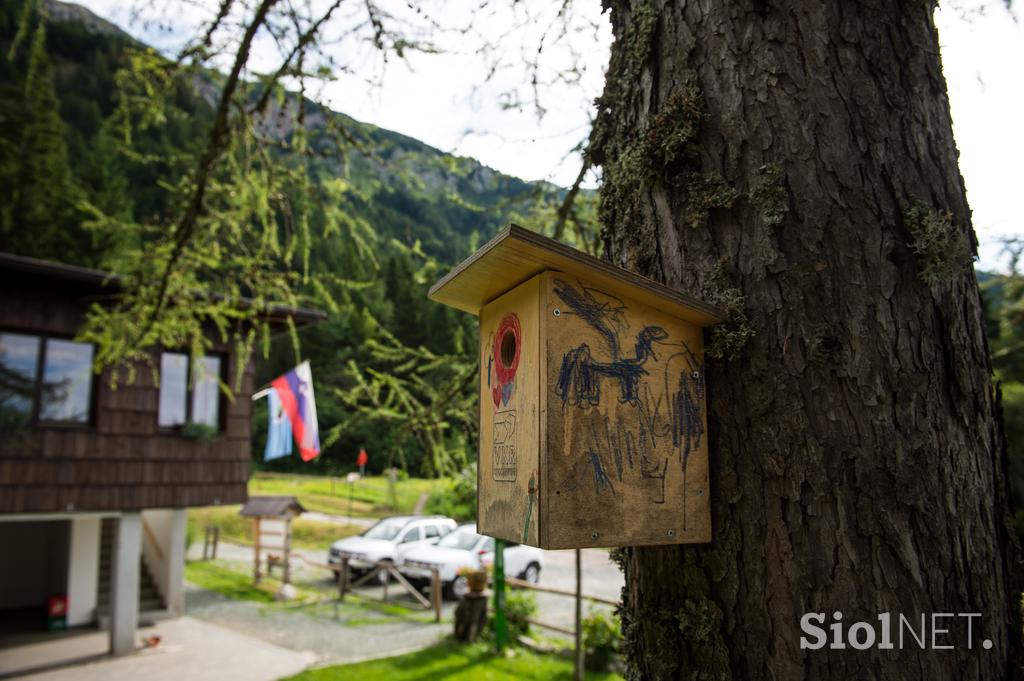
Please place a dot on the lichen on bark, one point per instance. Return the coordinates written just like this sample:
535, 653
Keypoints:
730, 336
940, 245
768, 195
701, 193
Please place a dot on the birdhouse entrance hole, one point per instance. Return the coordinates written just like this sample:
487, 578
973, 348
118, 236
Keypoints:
508, 350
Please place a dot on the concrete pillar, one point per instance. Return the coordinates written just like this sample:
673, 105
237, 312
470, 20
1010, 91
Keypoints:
176, 562
124, 583
83, 570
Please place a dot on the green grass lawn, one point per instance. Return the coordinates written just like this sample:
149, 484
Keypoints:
215, 577
357, 611
228, 580
370, 496
306, 534
453, 661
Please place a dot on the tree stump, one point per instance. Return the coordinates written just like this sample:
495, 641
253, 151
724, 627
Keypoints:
470, 616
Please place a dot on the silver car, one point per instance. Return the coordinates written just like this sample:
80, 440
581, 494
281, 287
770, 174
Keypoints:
464, 548
388, 539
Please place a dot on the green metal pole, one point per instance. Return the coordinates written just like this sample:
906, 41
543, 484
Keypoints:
500, 623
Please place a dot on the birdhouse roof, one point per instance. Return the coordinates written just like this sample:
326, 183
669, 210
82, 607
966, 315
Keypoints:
515, 255
270, 507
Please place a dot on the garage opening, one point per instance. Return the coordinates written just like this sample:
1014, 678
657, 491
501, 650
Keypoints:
34, 570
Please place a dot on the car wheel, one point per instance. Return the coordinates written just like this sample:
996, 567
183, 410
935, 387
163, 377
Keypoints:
457, 588
532, 573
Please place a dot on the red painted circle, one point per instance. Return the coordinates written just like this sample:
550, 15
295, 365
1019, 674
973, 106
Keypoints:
509, 325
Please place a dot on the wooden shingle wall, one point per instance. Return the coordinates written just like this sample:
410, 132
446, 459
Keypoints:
121, 460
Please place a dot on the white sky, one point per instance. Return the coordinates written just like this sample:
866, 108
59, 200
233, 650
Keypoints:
439, 99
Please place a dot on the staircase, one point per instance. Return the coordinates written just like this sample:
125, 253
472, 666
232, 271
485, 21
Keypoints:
151, 603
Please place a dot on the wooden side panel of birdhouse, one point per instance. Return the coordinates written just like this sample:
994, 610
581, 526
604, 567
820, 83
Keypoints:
625, 436
510, 352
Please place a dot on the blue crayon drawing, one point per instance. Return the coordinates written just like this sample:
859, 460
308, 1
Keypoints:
657, 418
606, 318
601, 479
687, 423
579, 379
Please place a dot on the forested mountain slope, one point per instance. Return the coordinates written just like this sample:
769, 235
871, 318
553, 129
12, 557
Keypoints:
412, 191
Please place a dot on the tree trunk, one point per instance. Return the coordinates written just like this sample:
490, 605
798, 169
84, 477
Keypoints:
794, 162
470, 616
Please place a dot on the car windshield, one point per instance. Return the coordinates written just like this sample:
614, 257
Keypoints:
460, 539
385, 529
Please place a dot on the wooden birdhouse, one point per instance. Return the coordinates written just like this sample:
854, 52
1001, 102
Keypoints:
593, 429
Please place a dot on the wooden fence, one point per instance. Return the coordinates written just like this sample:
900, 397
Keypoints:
575, 632
385, 568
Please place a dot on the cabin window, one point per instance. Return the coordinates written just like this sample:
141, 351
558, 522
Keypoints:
67, 382
206, 391
189, 401
46, 379
19, 364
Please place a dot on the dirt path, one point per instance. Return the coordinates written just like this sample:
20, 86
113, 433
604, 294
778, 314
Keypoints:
600, 578
189, 649
357, 634
339, 519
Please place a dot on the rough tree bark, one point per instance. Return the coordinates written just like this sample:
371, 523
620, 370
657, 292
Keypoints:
794, 161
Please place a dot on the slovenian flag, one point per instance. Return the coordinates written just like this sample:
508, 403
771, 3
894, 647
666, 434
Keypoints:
295, 390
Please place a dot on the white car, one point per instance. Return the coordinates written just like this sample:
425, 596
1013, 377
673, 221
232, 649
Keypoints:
388, 539
464, 548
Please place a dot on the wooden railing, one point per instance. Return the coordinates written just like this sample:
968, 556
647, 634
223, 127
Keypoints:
387, 568
152, 540
577, 631
522, 584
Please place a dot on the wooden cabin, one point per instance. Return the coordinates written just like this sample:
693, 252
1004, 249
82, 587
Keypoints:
95, 481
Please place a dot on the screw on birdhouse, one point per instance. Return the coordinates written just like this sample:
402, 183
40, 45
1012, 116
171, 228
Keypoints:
671, 533
696, 374
593, 535
700, 493
556, 312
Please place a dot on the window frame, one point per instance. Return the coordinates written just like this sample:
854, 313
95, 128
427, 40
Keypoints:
35, 414
409, 532
189, 388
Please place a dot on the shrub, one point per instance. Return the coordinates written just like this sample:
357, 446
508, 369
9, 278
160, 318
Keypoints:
190, 534
457, 499
602, 637
200, 431
13, 422
519, 607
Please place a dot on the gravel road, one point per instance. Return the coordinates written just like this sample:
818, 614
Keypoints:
335, 641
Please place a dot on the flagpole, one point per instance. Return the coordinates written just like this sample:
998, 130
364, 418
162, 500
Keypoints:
261, 394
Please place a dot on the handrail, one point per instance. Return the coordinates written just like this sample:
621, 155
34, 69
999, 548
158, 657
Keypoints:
152, 540
543, 625
522, 584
